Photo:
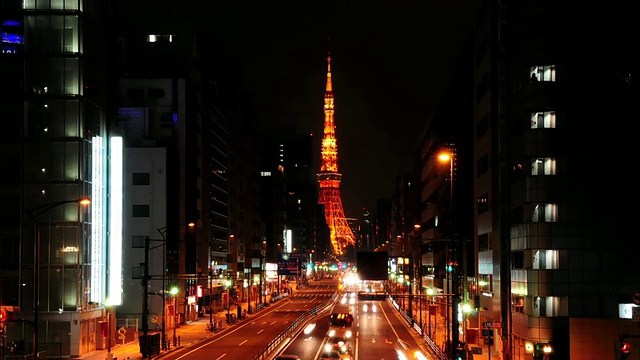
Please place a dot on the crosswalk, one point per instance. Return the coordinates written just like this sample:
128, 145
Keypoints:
315, 294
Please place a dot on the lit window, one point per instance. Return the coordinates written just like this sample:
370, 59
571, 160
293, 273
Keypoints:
546, 306
545, 259
265, 173
518, 303
543, 166
543, 73
151, 38
545, 213
543, 120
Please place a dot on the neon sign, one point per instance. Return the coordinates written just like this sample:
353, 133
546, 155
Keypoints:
12, 38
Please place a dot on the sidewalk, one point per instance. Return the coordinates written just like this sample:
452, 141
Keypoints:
188, 335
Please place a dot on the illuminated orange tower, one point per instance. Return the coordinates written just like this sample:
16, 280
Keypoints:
329, 178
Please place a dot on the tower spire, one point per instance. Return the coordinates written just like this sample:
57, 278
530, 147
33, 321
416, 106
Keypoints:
329, 87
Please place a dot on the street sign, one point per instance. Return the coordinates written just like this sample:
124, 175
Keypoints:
122, 331
636, 297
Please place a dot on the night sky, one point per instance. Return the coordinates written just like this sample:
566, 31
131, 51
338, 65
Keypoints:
390, 62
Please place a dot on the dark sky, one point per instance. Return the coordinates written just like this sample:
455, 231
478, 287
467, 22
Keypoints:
390, 61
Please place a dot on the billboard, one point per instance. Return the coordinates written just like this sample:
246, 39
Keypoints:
289, 264
373, 265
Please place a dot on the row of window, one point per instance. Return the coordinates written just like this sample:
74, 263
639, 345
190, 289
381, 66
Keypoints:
538, 259
543, 306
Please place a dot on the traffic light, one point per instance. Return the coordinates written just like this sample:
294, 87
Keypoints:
623, 350
538, 351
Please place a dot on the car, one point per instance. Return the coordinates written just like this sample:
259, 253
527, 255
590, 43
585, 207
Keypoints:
287, 357
407, 352
330, 355
338, 343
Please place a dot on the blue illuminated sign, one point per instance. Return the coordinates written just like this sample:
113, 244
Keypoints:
12, 38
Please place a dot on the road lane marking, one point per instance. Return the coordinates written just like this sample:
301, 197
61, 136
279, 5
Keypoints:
260, 331
221, 356
273, 322
243, 342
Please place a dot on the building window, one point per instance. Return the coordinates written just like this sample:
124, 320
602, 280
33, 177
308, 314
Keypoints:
518, 303
153, 38
543, 73
155, 93
545, 259
136, 272
517, 259
545, 213
485, 283
482, 126
483, 164
137, 241
483, 242
265, 173
543, 166
543, 120
141, 179
483, 203
135, 93
140, 210
546, 306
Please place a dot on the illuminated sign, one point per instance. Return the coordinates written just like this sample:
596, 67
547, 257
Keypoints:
98, 245
115, 232
12, 38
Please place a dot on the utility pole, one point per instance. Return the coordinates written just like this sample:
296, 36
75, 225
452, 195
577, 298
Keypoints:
145, 299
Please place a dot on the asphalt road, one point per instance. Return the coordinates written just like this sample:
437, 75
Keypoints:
375, 332
247, 339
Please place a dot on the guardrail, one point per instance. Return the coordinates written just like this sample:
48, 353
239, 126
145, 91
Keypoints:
267, 352
441, 355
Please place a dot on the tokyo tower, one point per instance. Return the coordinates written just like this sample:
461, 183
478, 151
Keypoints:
329, 178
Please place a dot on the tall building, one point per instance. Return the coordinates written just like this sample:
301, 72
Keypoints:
53, 98
554, 103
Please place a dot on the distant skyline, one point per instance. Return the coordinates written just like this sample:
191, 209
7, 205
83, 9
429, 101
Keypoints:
390, 61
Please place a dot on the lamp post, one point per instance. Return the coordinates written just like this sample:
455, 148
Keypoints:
34, 214
418, 241
174, 292
449, 157
228, 284
163, 232
106, 306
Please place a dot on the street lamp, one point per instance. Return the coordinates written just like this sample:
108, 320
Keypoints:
228, 284
174, 292
106, 306
449, 157
163, 232
34, 214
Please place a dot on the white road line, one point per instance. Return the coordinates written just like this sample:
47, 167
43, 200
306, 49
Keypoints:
221, 356
243, 342
260, 331
273, 322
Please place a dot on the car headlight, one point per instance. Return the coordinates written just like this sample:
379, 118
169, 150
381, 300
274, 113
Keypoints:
365, 307
374, 308
331, 333
327, 347
343, 349
348, 334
